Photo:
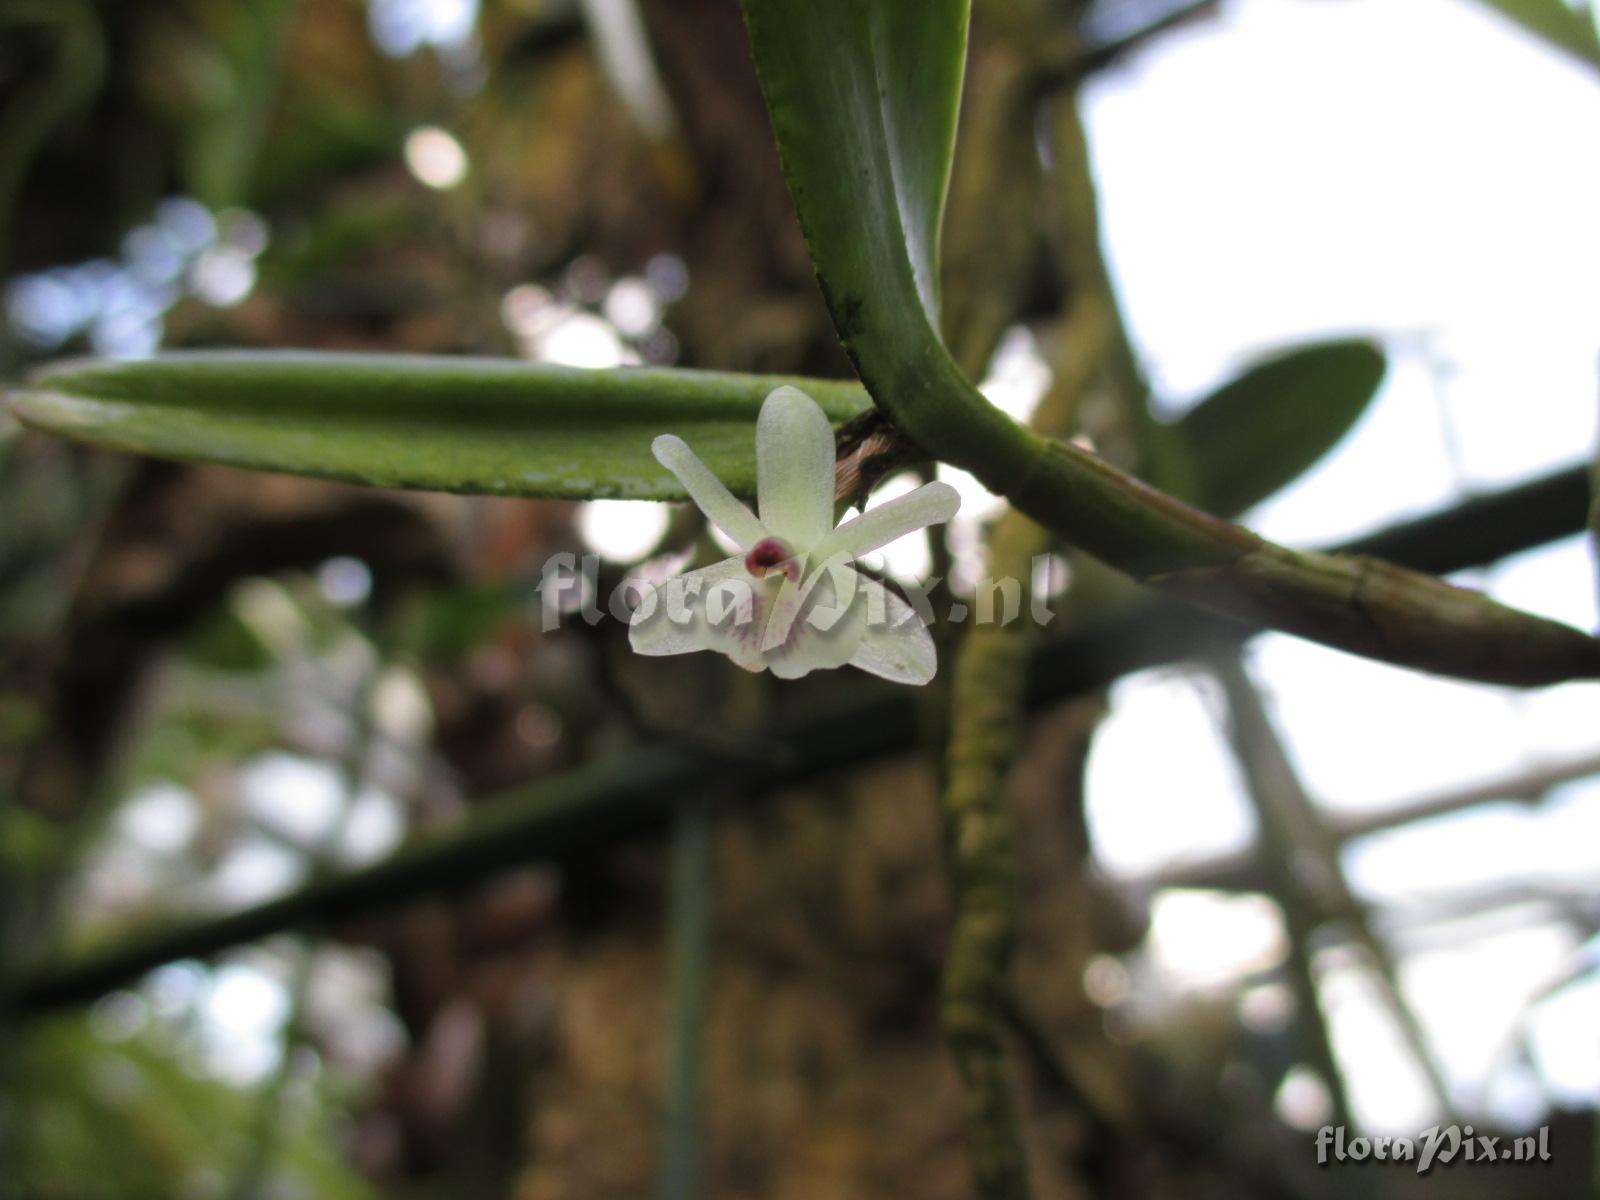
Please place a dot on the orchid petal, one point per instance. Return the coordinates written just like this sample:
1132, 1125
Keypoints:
720, 506
720, 607
794, 467
896, 644
931, 504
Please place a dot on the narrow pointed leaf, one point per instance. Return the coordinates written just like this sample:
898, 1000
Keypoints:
485, 426
1267, 426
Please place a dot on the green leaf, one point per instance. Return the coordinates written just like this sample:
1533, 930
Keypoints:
480, 426
1554, 22
1265, 428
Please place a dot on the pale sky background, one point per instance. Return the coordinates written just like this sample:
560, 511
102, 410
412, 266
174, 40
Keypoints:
1418, 170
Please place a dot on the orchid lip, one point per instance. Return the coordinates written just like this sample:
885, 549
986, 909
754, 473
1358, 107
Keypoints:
772, 554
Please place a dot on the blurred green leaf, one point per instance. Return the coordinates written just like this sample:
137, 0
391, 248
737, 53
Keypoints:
1265, 428
448, 625
28, 840
228, 643
228, 125
1554, 22
480, 426
344, 231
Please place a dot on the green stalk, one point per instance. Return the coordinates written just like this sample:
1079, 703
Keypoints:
690, 913
986, 722
986, 715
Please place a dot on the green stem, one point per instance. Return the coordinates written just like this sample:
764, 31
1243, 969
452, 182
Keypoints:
986, 711
986, 720
693, 860
1364, 606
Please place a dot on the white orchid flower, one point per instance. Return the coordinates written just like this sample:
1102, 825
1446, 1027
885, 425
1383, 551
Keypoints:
792, 601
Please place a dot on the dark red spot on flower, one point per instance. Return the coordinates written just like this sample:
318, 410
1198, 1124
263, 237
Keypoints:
768, 554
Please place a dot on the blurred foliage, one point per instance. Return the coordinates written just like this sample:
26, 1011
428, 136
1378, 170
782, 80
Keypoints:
129, 1117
